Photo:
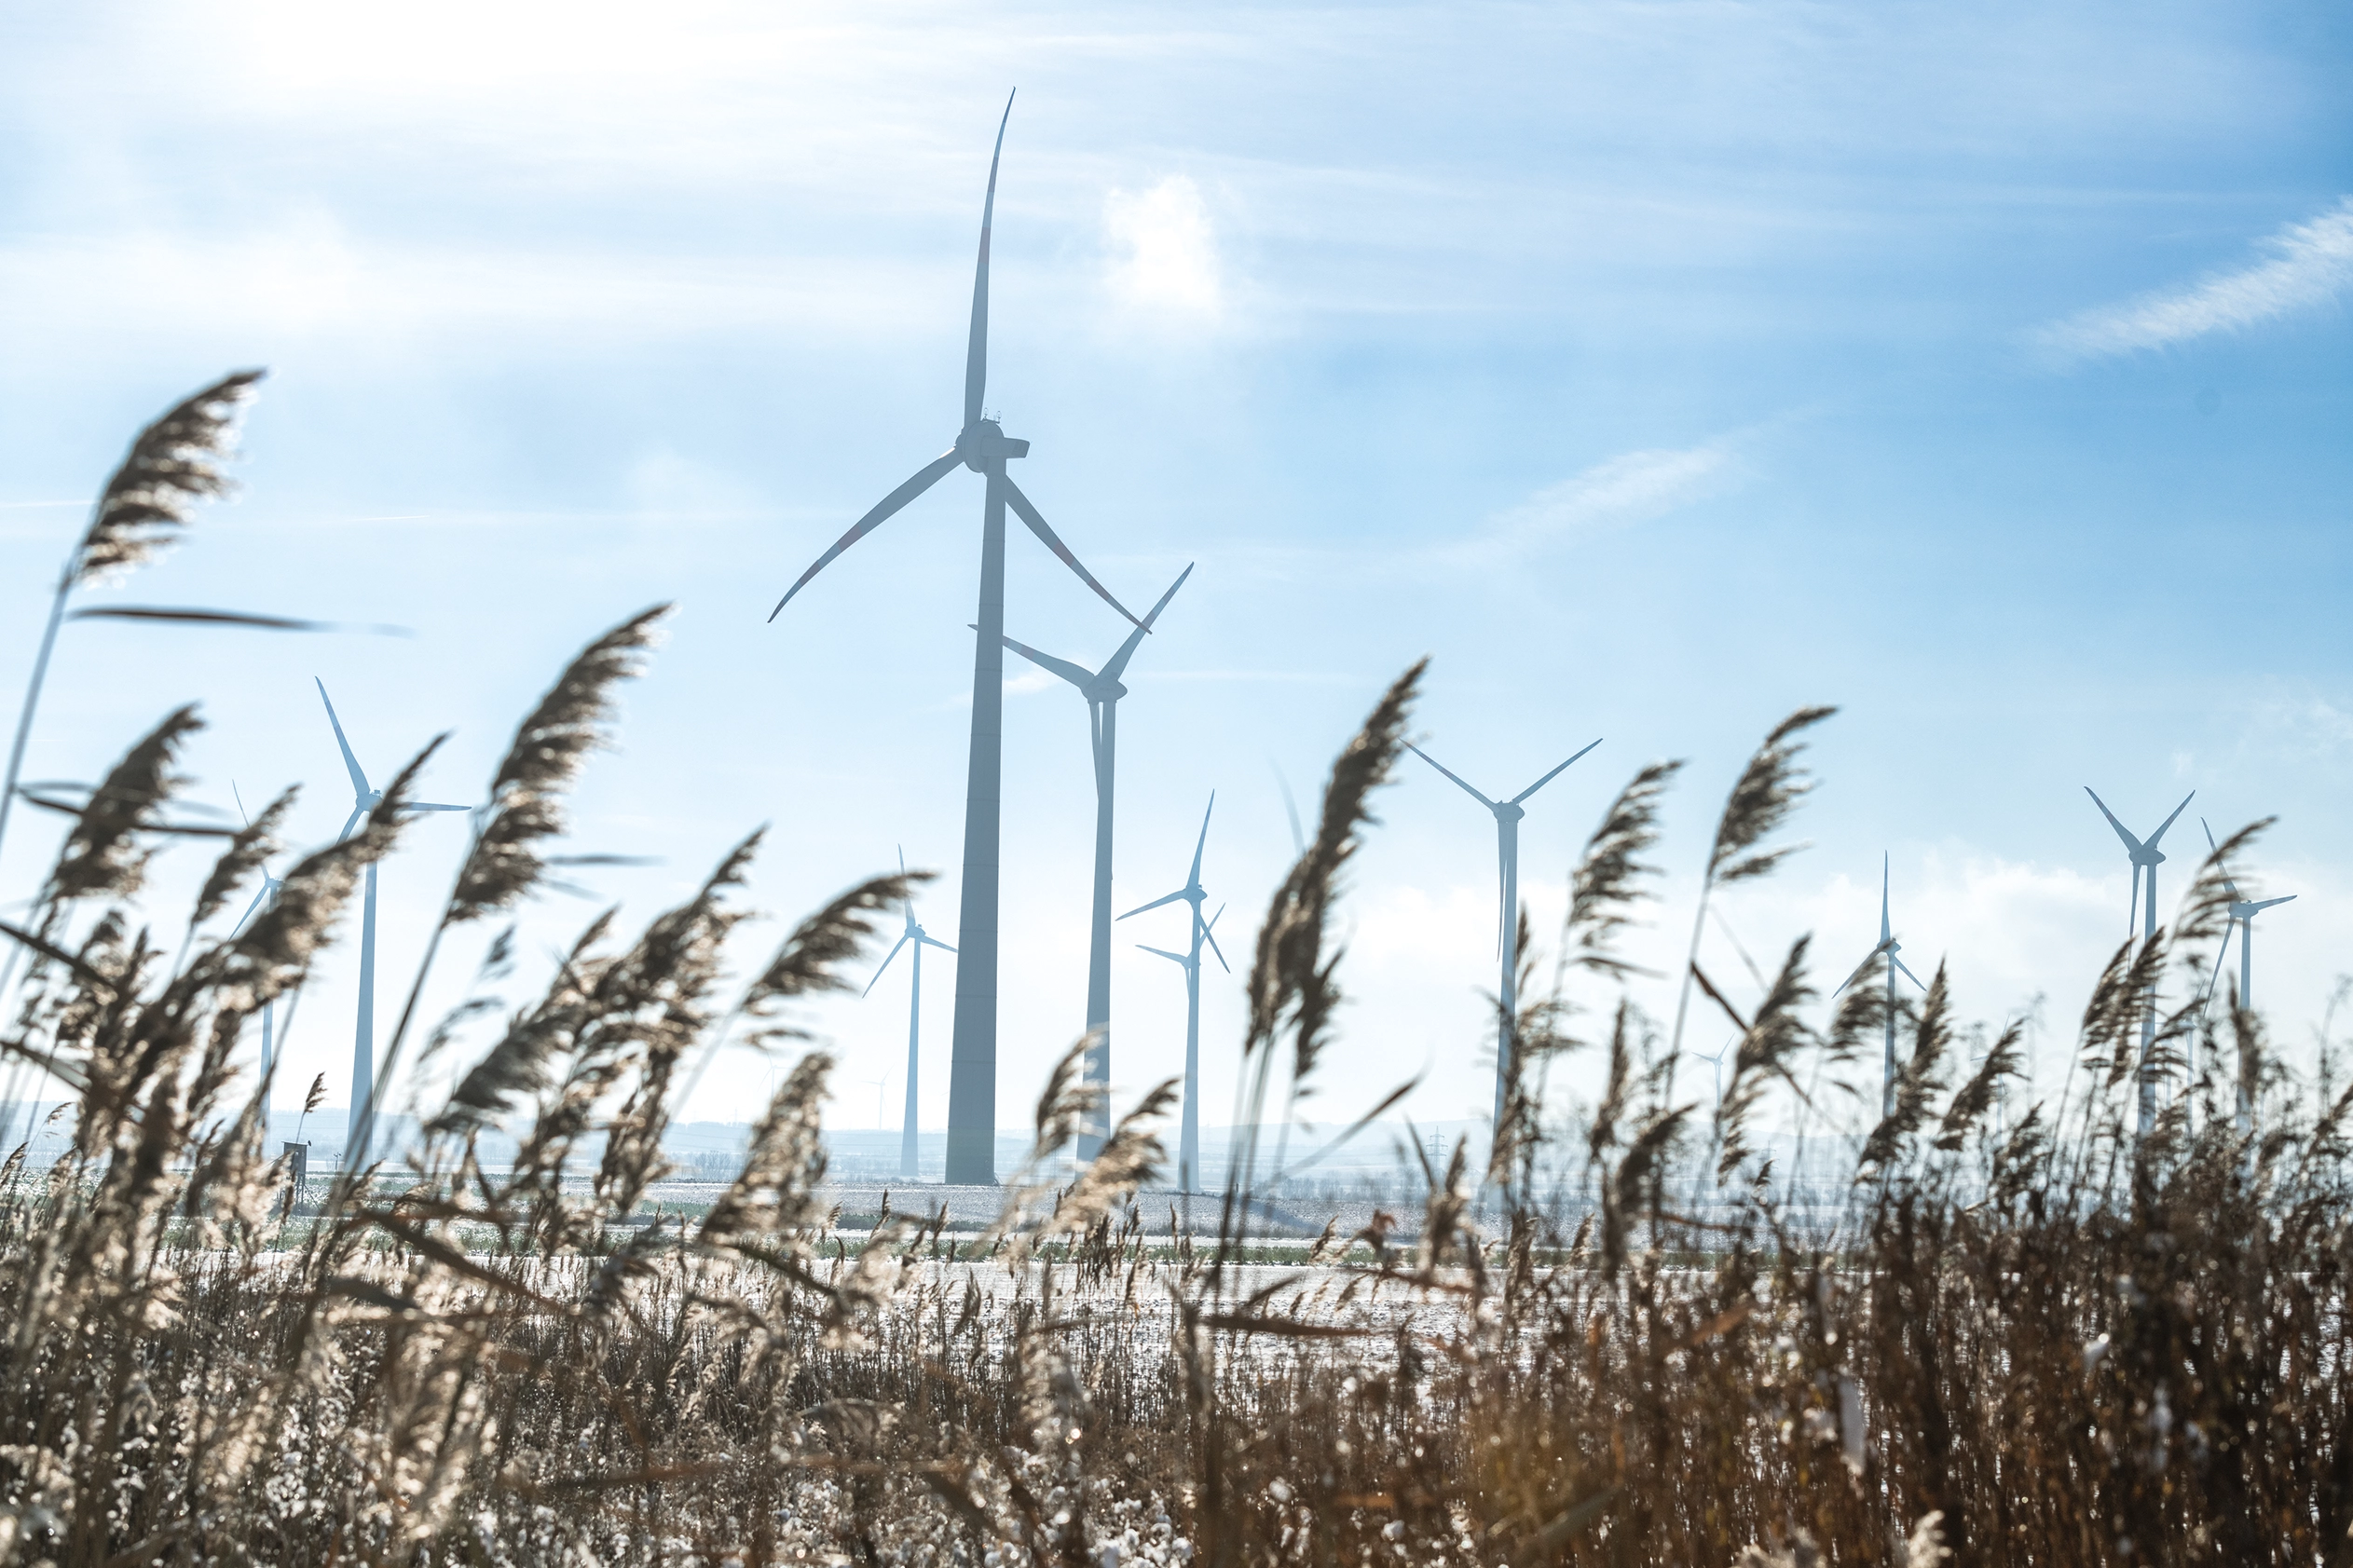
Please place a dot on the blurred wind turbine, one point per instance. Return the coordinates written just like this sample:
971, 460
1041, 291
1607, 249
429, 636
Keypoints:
920, 939
1889, 945
263, 898
364, 797
1189, 1135
2242, 916
1102, 692
1507, 854
982, 446
2144, 857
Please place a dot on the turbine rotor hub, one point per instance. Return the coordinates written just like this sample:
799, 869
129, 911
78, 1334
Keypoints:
984, 439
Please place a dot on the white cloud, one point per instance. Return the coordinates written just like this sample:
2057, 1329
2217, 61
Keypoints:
1164, 250
2310, 264
1632, 487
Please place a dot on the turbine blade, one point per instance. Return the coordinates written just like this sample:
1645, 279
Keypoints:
1290, 809
933, 941
885, 964
924, 478
433, 806
1062, 667
1546, 778
2132, 902
1450, 773
2284, 898
1886, 932
259, 894
2169, 821
1907, 974
351, 764
2216, 849
1201, 843
2130, 842
1155, 903
1214, 948
1118, 662
976, 350
1181, 962
1020, 504
351, 822
1860, 970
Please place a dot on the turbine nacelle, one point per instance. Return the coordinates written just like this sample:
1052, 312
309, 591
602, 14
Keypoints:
984, 441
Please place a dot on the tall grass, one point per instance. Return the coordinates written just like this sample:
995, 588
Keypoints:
2049, 1342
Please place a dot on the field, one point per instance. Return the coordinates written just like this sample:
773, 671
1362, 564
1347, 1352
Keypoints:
2074, 1340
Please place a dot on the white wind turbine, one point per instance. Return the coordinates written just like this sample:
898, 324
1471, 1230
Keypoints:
982, 446
1189, 1133
264, 898
2145, 856
1103, 691
919, 938
1507, 854
364, 797
2242, 916
1889, 945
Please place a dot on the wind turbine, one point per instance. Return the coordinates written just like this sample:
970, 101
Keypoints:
1103, 691
1189, 1134
1506, 855
264, 898
982, 446
2144, 856
364, 797
921, 938
1888, 945
2242, 914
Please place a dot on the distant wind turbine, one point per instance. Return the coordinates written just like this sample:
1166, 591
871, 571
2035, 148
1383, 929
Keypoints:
364, 797
263, 898
1889, 945
1506, 855
2144, 857
1189, 1133
1102, 692
2242, 916
982, 446
919, 938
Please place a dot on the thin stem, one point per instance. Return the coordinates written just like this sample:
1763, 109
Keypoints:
1691, 961
33, 701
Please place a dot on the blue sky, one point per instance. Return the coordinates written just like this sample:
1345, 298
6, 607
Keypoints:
1655, 368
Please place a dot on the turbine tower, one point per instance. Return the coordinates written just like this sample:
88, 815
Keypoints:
1189, 1134
2144, 857
2242, 916
1888, 945
363, 799
982, 446
1102, 692
1507, 856
921, 938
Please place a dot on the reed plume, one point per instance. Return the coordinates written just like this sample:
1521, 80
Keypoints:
525, 804
104, 853
248, 852
1768, 789
171, 465
1610, 880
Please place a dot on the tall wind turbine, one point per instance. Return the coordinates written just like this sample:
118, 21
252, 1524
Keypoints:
916, 935
2242, 915
363, 798
1189, 1134
1103, 691
982, 446
1507, 856
1888, 945
2144, 857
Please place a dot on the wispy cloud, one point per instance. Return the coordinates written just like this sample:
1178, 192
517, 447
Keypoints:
1630, 488
2310, 263
1164, 256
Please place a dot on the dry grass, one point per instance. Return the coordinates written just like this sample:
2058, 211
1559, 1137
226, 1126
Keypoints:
2051, 1344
